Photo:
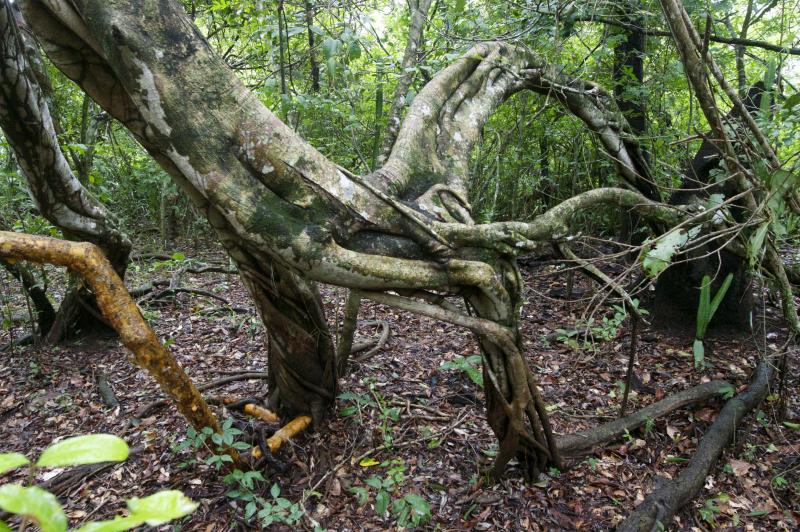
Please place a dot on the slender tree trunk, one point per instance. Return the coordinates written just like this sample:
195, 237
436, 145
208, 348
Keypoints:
282, 48
312, 49
419, 17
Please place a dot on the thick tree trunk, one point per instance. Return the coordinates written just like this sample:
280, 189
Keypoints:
678, 288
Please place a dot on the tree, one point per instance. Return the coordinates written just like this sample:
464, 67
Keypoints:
403, 235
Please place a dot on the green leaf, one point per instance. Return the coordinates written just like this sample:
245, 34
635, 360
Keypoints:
89, 449
715, 303
4, 527
161, 507
793, 426
114, 525
419, 505
9, 461
659, 257
362, 495
35, 503
755, 245
381, 503
275, 490
178, 256
699, 353
460, 5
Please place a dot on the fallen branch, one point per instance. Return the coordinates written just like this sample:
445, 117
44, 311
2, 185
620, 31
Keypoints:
576, 442
662, 504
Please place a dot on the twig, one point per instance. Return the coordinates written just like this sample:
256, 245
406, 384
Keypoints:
147, 409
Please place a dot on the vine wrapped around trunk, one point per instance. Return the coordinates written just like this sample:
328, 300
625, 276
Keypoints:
403, 235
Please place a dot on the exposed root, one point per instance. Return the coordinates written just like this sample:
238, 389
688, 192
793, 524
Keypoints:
571, 444
659, 507
283, 435
373, 345
264, 414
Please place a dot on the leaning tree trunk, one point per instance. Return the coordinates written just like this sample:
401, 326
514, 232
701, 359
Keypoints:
60, 197
289, 216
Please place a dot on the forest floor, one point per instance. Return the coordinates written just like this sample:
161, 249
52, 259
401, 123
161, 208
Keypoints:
441, 446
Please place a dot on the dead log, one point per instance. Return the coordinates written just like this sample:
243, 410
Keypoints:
574, 443
659, 507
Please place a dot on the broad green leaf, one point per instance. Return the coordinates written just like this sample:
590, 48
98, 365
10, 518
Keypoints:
178, 256
362, 495
659, 257
114, 525
35, 503
4, 527
89, 449
368, 462
699, 353
780, 182
161, 507
9, 461
330, 47
418, 504
460, 4
793, 426
381, 503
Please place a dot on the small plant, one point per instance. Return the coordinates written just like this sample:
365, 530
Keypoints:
709, 511
246, 486
705, 311
409, 510
470, 365
42, 507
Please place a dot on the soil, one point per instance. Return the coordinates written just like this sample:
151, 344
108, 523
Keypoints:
441, 447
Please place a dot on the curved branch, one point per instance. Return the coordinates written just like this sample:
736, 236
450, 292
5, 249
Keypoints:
447, 116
